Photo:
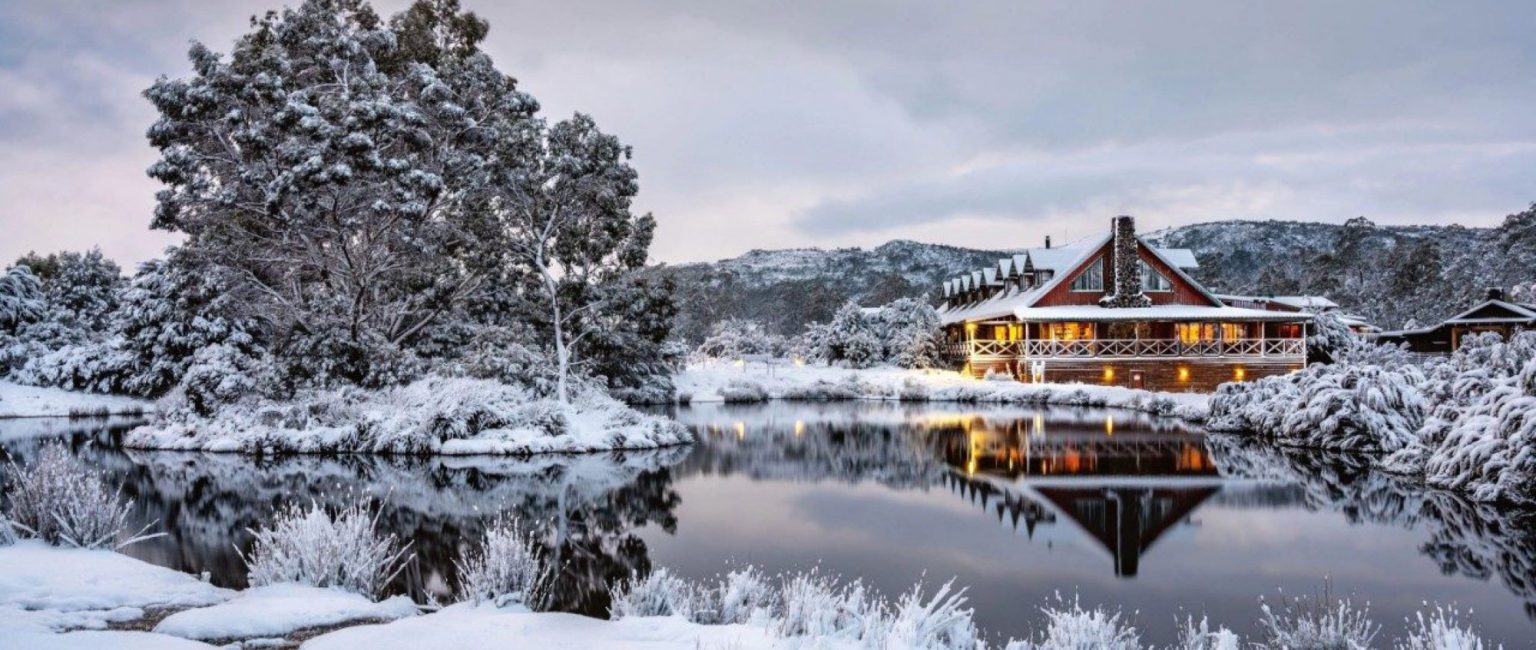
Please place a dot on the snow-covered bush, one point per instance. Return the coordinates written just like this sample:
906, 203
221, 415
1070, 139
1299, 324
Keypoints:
1200, 636
743, 391
744, 595
1440, 630
311, 546
816, 606
1335, 406
904, 333
62, 501
938, 623
223, 374
659, 593
913, 333
100, 367
507, 567
735, 338
21, 298
1320, 622
434, 414
1070, 627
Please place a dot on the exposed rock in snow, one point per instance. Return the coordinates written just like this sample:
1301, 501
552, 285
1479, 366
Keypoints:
278, 610
434, 415
19, 401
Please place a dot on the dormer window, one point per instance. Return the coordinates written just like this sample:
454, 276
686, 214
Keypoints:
1151, 280
1091, 279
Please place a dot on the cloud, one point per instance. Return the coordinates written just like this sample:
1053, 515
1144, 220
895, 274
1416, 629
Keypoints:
756, 124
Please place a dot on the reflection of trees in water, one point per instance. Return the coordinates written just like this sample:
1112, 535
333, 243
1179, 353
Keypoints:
588, 507
1466, 538
815, 451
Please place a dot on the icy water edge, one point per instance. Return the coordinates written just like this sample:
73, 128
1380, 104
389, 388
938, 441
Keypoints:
1017, 504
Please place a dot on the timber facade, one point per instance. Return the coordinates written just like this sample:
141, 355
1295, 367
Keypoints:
1113, 310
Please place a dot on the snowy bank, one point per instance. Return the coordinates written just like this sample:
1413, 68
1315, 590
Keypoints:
485, 626
755, 382
275, 611
45, 588
433, 415
21, 401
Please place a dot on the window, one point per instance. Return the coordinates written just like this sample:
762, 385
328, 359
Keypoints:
1151, 280
1091, 279
1233, 332
1069, 331
1190, 333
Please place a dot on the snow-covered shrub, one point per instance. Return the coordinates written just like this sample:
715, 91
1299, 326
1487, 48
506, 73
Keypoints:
657, 594
1441, 630
62, 501
744, 595
1200, 636
1070, 627
1320, 623
503, 354
938, 623
1327, 336
736, 338
816, 606
913, 390
311, 546
100, 367
1362, 408
434, 414
507, 567
223, 374
743, 391
21, 298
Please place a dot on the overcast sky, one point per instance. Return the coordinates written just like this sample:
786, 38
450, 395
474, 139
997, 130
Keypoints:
849, 123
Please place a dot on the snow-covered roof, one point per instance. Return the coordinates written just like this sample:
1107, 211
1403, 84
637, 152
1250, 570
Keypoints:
1154, 313
1524, 313
1058, 261
1304, 302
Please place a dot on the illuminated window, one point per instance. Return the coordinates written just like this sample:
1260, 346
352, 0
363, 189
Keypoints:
1233, 332
1195, 332
1091, 279
1151, 280
1069, 331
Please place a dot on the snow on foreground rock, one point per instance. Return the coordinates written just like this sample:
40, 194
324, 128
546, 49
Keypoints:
275, 611
44, 589
753, 382
485, 626
19, 401
433, 415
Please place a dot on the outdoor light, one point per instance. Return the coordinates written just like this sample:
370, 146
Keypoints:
1183, 373
1109, 373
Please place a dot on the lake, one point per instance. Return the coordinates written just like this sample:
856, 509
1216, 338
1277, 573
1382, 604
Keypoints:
1016, 504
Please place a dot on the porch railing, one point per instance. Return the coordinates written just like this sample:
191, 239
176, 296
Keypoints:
1132, 348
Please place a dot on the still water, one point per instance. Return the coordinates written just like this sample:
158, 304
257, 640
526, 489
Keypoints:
1017, 504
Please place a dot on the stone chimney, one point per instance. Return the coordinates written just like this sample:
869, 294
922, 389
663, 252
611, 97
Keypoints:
1495, 293
1124, 283
1047, 242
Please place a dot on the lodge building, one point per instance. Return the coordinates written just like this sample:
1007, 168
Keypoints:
1113, 310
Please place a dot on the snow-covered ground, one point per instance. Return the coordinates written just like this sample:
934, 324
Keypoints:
433, 415
275, 611
20, 401
727, 382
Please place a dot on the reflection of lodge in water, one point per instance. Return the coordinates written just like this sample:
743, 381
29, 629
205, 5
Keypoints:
1123, 488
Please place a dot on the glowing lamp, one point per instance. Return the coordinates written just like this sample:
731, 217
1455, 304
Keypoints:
1109, 374
1239, 374
1183, 373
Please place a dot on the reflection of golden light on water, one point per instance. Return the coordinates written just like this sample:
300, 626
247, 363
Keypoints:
799, 428
1039, 425
1109, 425
741, 430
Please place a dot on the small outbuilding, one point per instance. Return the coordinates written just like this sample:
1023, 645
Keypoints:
1493, 314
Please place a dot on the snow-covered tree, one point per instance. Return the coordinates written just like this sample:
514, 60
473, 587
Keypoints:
736, 338
342, 184
21, 298
912, 333
568, 227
